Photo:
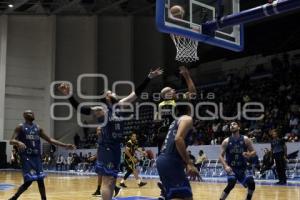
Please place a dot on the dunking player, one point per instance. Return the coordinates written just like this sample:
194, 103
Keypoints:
174, 158
169, 97
166, 108
109, 150
238, 149
131, 161
26, 138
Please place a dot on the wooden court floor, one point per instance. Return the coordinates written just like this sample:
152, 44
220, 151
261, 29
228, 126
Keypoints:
61, 187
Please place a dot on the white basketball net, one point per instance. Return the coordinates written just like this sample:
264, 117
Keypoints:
186, 49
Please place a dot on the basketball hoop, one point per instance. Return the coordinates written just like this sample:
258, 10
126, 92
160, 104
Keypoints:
186, 48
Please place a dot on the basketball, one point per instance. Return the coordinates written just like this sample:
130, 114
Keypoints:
177, 11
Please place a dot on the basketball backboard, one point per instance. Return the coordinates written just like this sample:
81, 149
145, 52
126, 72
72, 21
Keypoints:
198, 12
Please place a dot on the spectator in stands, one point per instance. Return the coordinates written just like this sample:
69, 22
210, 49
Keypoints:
77, 140
75, 161
82, 165
69, 161
192, 158
91, 161
150, 154
46, 161
267, 162
294, 121
202, 158
15, 159
60, 162
85, 130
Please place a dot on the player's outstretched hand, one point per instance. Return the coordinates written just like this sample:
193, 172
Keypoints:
70, 146
228, 170
156, 72
192, 171
64, 88
21, 146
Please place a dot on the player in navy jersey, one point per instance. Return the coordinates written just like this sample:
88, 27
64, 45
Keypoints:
93, 159
26, 138
109, 148
174, 158
237, 149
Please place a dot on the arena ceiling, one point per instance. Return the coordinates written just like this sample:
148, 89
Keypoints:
90, 7
271, 35
77, 7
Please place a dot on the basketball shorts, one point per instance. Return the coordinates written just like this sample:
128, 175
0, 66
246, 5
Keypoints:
241, 175
32, 167
108, 161
172, 175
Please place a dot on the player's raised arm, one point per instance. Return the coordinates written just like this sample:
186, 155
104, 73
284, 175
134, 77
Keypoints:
55, 142
188, 79
138, 91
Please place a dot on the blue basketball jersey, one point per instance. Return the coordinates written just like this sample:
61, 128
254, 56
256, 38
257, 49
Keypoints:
30, 136
112, 132
109, 144
234, 152
169, 146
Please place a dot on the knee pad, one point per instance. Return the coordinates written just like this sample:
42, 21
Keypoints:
230, 185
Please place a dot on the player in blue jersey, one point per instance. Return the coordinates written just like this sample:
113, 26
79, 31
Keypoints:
237, 149
109, 149
165, 112
174, 158
26, 138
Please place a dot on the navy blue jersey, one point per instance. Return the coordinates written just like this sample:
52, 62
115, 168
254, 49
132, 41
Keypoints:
234, 152
30, 136
277, 146
169, 147
109, 141
112, 132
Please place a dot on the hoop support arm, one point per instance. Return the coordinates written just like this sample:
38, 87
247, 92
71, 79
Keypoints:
250, 15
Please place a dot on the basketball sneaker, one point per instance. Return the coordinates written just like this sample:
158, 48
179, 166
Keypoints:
141, 184
117, 191
97, 193
123, 185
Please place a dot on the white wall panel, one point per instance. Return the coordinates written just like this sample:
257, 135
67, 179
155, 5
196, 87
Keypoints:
30, 56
